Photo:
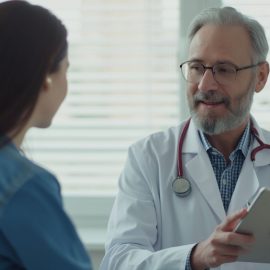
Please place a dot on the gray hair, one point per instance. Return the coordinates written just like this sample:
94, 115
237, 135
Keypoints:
230, 16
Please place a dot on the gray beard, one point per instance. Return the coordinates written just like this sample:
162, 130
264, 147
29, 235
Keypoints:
213, 126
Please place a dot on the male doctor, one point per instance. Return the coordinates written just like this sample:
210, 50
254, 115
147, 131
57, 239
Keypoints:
153, 228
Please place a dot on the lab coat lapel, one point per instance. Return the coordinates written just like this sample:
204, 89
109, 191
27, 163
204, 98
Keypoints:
246, 186
248, 183
200, 170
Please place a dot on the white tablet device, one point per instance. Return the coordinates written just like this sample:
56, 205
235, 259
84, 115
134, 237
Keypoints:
257, 222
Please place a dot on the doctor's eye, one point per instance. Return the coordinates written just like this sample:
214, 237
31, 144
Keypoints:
224, 69
196, 67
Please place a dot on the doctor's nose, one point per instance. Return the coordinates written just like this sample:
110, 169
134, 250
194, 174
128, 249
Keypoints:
208, 81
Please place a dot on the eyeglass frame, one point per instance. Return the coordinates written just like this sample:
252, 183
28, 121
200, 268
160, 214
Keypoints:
212, 68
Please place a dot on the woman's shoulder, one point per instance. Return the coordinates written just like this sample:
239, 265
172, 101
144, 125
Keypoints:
17, 170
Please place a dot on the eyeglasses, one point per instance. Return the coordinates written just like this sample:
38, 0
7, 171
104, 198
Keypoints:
223, 73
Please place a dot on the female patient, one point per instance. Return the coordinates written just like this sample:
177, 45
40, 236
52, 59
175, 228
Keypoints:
35, 231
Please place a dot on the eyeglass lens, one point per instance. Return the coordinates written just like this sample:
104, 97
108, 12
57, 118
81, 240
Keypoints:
194, 71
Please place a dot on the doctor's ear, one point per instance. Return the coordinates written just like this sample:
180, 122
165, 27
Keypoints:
262, 75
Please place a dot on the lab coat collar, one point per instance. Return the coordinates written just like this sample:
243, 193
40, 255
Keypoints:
201, 171
192, 143
262, 158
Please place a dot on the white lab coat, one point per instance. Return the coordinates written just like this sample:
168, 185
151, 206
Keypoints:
150, 228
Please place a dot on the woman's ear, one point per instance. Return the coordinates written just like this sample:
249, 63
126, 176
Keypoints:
47, 83
262, 76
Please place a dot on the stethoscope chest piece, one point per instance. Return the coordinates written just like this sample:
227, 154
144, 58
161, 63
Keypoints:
181, 187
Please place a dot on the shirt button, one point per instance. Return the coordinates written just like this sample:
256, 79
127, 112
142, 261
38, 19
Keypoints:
224, 182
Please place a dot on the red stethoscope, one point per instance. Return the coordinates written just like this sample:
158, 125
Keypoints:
182, 186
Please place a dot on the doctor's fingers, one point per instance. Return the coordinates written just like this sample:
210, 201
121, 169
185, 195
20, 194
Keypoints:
233, 239
211, 253
232, 220
217, 253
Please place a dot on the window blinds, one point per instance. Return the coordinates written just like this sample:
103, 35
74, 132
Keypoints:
123, 85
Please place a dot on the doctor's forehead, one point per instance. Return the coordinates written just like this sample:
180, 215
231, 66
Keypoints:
221, 43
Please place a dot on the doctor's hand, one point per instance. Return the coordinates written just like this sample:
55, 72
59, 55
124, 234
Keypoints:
223, 245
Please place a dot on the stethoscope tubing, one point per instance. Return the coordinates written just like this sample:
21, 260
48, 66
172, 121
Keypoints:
180, 172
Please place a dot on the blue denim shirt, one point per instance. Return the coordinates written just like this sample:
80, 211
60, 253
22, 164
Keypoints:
35, 231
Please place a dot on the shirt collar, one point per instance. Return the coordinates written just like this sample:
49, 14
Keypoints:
243, 144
